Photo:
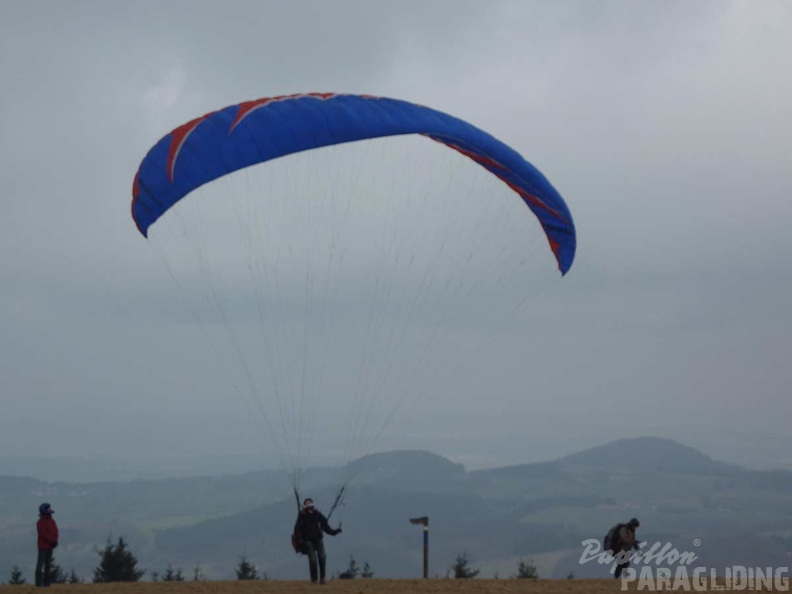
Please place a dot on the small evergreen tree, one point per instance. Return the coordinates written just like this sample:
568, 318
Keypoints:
197, 574
246, 570
526, 570
461, 567
73, 579
16, 577
57, 575
117, 564
351, 571
366, 573
172, 576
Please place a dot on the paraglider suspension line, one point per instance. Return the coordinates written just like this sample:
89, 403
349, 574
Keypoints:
337, 501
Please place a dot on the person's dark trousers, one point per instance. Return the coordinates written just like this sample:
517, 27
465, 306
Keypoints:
621, 567
316, 553
43, 566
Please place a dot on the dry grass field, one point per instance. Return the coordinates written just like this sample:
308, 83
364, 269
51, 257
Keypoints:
358, 586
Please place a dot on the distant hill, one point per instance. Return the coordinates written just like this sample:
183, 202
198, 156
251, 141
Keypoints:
406, 470
647, 454
541, 511
531, 510
636, 455
406, 464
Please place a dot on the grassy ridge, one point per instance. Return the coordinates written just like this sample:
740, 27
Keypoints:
358, 586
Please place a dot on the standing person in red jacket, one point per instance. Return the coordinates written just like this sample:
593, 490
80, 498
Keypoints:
47, 540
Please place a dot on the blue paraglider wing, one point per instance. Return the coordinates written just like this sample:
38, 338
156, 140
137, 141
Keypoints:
238, 136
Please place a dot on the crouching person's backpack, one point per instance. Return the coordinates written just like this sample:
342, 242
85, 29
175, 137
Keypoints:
612, 542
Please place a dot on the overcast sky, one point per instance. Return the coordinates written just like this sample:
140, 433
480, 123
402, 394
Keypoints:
666, 126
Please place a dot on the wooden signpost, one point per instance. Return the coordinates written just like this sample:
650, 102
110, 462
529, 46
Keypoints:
424, 521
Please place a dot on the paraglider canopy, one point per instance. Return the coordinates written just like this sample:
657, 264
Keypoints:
251, 132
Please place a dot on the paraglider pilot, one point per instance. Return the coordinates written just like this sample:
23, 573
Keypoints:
308, 538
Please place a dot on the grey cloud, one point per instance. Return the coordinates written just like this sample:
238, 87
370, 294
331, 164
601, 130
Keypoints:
665, 126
